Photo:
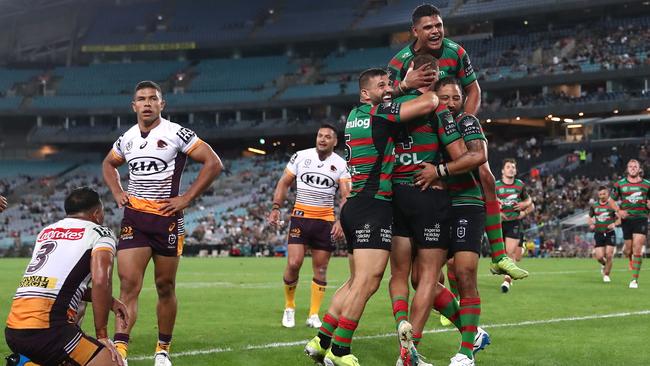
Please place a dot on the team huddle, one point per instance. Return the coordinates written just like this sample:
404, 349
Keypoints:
415, 191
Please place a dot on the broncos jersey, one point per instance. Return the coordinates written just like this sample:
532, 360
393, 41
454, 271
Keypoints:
55, 280
156, 161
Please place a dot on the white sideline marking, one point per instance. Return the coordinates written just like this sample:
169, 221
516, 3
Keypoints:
388, 335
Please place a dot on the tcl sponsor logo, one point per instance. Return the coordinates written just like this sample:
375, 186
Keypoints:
61, 234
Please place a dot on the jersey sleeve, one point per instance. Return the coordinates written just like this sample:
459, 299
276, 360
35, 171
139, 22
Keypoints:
116, 151
465, 70
616, 192
447, 128
187, 140
388, 111
345, 173
103, 239
292, 165
396, 71
470, 128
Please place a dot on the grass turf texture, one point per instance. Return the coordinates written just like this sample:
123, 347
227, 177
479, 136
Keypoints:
230, 311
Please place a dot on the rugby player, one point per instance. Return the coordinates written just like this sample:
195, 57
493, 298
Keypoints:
515, 205
421, 216
633, 194
366, 217
428, 29
68, 256
319, 172
602, 221
155, 150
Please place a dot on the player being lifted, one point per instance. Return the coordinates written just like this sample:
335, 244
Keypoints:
633, 195
602, 221
319, 172
68, 256
515, 205
421, 216
367, 215
155, 150
428, 29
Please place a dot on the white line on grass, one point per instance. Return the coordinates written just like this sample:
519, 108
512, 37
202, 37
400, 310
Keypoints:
388, 335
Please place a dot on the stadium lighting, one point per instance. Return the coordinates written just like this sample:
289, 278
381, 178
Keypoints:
293, 144
488, 120
574, 126
518, 118
262, 141
615, 111
647, 109
581, 114
556, 119
525, 22
549, 116
256, 151
568, 120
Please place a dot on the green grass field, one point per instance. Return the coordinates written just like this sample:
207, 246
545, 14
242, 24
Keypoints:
230, 312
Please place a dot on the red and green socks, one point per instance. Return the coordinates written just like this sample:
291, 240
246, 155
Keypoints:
446, 304
636, 267
453, 283
400, 309
326, 330
470, 312
494, 231
343, 336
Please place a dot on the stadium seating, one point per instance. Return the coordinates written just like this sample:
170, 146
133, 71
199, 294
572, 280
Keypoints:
244, 73
397, 13
9, 77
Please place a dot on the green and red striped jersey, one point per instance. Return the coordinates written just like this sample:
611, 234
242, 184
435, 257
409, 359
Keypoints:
370, 149
452, 61
510, 195
633, 197
603, 216
465, 189
421, 140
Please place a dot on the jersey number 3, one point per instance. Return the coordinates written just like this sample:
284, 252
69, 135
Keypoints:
41, 257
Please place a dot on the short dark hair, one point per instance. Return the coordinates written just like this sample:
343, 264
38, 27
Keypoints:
449, 80
146, 84
423, 59
366, 75
603, 188
81, 199
330, 126
509, 160
424, 10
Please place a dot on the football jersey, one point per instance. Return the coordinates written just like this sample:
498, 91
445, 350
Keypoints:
316, 183
633, 197
510, 195
603, 216
156, 161
55, 280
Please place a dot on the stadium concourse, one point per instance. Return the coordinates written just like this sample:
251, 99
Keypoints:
564, 90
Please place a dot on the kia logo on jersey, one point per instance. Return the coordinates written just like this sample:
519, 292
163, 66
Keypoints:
146, 165
317, 180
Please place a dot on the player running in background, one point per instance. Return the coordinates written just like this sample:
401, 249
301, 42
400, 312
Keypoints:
602, 221
367, 215
515, 205
319, 172
421, 216
155, 150
428, 29
68, 256
633, 195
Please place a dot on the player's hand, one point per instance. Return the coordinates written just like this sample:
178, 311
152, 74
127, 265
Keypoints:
426, 177
420, 77
503, 216
337, 231
622, 214
521, 206
115, 356
121, 312
3, 203
611, 226
274, 217
173, 205
592, 227
122, 199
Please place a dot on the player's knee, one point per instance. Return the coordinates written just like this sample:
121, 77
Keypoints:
293, 266
465, 275
165, 287
130, 286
